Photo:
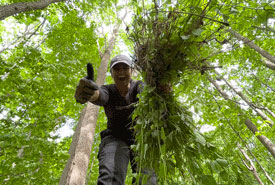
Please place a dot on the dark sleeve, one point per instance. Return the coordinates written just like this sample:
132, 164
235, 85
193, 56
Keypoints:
103, 96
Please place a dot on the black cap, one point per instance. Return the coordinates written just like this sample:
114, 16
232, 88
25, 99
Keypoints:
120, 59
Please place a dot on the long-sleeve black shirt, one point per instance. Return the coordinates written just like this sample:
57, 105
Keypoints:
119, 117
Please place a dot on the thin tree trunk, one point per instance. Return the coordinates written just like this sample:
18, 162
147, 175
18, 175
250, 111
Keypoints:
264, 140
24, 37
252, 45
268, 86
267, 28
259, 112
251, 168
270, 112
21, 150
269, 64
76, 169
12, 9
225, 95
266, 174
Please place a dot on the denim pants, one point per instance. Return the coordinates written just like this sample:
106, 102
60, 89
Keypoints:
114, 156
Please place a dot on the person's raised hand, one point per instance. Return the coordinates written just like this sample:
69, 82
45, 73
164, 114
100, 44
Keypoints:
86, 86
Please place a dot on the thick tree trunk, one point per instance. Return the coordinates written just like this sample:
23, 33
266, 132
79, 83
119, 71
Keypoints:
80, 150
252, 45
264, 140
12, 9
252, 167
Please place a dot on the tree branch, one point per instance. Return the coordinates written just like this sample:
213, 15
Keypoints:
241, 95
252, 168
267, 28
202, 16
252, 45
263, 83
12, 9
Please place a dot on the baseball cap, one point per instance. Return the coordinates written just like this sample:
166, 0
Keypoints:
120, 59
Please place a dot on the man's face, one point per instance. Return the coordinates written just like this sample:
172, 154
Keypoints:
121, 74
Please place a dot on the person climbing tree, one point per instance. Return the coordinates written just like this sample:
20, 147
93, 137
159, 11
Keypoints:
117, 100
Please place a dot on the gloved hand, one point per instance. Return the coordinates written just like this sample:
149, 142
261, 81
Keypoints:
86, 86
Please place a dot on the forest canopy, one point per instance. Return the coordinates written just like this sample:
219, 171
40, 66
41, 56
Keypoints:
216, 56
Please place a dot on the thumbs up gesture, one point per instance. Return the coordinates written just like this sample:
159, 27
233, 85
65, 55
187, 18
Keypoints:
86, 87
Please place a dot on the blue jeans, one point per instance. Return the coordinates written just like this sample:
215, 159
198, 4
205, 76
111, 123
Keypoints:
114, 155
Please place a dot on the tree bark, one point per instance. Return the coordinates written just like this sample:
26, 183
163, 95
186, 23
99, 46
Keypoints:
252, 168
224, 93
76, 168
12, 9
269, 64
250, 104
268, 86
225, 96
252, 45
264, 140
267, 28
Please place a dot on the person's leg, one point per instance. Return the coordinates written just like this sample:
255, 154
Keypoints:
113, 159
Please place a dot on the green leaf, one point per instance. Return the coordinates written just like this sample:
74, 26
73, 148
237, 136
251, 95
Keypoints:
222, 162
208, 180
199, 138
185, 37
224, 175
162, 134
197, 32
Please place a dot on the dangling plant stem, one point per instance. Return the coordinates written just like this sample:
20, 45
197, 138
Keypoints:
166, 138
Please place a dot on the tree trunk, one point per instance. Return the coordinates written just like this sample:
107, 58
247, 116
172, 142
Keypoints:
252, 168
267, 28
264, 140
12, 9
252, 45
269, 64
268, 86
76, 169
251, 105
21, 150
225, 95
26, 36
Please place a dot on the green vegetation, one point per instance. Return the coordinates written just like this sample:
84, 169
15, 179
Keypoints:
190, 46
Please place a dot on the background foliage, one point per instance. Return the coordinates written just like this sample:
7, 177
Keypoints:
44, 53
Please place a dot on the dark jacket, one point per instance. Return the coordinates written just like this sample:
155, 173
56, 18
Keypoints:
118, 114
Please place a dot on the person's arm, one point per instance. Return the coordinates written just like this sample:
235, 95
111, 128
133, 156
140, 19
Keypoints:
87, 89
101, 96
